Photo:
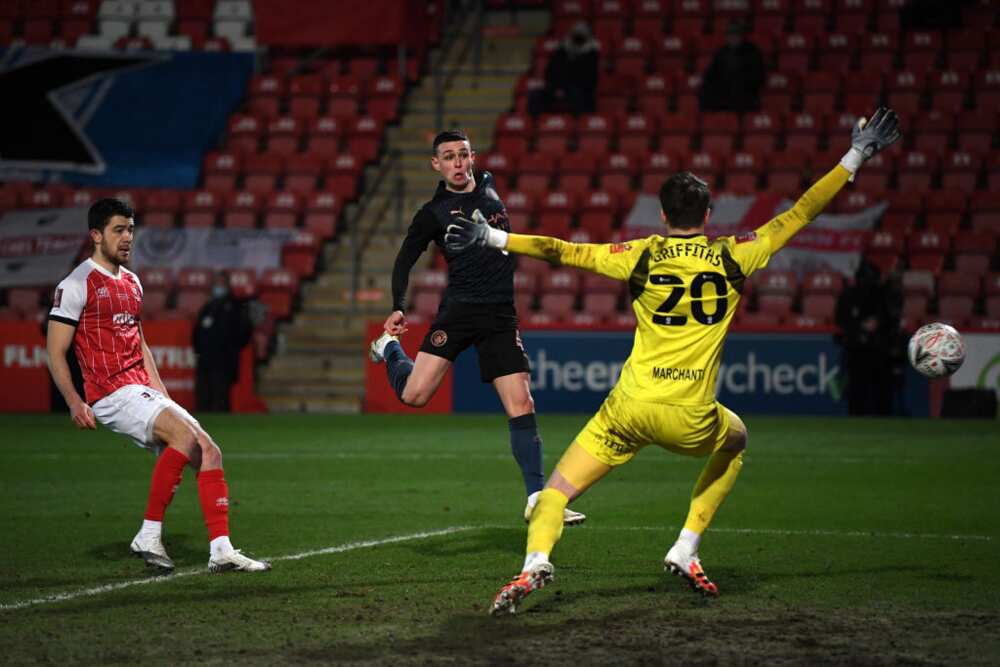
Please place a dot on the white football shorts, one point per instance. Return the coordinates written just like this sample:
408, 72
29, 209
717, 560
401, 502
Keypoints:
132, 410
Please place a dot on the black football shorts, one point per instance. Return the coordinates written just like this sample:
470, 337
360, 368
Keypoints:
491, 327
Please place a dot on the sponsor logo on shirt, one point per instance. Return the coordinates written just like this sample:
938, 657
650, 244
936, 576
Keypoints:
746, 236
123, 319
619, 247
102, 293
58, 298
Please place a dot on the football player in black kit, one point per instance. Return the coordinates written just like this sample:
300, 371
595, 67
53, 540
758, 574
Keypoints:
477, 308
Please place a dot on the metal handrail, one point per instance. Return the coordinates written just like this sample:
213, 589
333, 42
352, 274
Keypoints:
359, 243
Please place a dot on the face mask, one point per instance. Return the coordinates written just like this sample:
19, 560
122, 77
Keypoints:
219, 291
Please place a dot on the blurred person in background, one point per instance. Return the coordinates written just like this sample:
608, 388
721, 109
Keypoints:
868, 314
570, 76
734, 77
221, 331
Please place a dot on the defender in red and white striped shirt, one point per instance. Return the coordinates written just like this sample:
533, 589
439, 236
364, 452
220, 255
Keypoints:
97, 308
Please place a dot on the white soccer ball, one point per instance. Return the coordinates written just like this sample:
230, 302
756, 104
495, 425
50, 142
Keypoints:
936, 350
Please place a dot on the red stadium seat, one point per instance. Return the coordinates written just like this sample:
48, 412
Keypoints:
616, 173
820, 92
283, 210
719, 132
742, 171
974, 252
803, 132
537, 170
300, 253
987, 89
836, 52
221, 170
242, 209
632, 55
576, 171
558, 305
794, 53
553, 133
244, 133
786, 171
706, 166
654, 93
201, 208
266, 92
634, 134
594, 132
323, 135
284, 134
321, 213
976, 130
161, 209
948, 90
918, 282
771, 282
303, 171
915, 171
364, 139
760, 132
342, 176
878, 52
673, 53
959, 284
933, 131
861, 90
261, 172
383, 99
905, 89
779, 90
277, 291
885, 242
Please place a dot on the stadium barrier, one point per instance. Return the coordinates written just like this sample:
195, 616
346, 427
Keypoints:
24, 367
573, 370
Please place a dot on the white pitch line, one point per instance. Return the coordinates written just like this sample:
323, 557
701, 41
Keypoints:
107, 588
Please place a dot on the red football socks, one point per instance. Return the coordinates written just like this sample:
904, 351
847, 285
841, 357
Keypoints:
214, 496
167, 475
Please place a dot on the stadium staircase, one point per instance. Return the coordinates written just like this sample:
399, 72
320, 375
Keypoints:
318, 366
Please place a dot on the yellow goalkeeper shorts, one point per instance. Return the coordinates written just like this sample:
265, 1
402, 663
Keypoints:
624, 425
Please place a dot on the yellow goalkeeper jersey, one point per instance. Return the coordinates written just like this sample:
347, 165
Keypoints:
684, 292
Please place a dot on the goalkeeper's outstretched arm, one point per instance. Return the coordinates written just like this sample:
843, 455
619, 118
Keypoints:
867, 139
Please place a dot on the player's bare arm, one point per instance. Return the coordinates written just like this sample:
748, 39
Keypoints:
867, 139
58, 340
149, 363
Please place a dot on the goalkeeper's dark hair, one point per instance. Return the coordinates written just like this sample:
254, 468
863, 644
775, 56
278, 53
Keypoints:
446, 136
685, 198
103, 210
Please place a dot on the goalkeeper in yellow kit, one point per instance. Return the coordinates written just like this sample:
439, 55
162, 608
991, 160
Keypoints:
684, 289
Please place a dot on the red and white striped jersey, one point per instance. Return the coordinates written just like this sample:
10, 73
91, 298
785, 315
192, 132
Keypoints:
105, 309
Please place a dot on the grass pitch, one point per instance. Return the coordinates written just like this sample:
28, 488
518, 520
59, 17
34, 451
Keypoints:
845, 541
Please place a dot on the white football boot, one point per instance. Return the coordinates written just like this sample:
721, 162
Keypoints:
570, 518
150, 549
510, 596
376, 352
235, 561
686, 565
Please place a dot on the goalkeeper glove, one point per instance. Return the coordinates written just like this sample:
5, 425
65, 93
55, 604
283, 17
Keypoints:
475, 233
871, 137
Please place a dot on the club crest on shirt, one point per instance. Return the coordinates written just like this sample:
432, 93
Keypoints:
439, 338
102, 293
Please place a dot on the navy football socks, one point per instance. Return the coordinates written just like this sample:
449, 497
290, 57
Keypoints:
526, 445
398, 367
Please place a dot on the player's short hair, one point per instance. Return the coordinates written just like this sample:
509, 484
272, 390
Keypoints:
103, 210
446, 136
685, 198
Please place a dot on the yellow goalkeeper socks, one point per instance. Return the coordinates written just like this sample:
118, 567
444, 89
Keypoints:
714, 484
546, 524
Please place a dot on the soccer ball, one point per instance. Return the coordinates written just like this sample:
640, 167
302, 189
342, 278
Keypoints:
936, 350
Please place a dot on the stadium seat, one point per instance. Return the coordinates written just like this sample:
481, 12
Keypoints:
553, 133
520, 209
634, 133
242, 210
559, 305
920, 282
321, 213
261, 172
760, 132
220, 171
974, 252
201, 208
193, 287
594, 132
779, 90
915, 170
836, 52
283, 209
300, 253
303, 172
794, 53
976, 130
820, 92
277, 290
932, 131
991, 289
513, 131
323, 135
948, 90
364, 139
525, 287
555, 213
803, 132
985, 211
654, 93
161, 209
244, 132
742, 171
631, 56
536, 172
706, 166
342, 176
266, 91
786, 169
719, 132
576, 171
243, 283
